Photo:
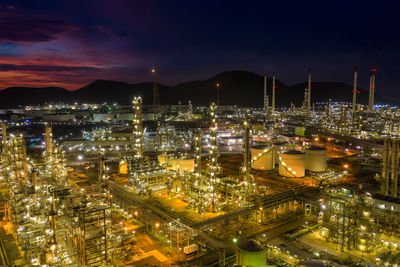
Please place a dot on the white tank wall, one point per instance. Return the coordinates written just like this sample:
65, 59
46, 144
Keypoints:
123, 167
181, 164
294, 161
277, 149
248, 258
162, 159
265, 162
316, 160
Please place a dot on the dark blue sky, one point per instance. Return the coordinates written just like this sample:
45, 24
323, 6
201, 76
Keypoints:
71, 43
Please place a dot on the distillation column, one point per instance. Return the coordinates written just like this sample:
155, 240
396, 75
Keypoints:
48, 139
214, 168
395, 163
4, 135
137, 133
385, 168
246, 141
3, 155
100, 169
309, 92
197, 152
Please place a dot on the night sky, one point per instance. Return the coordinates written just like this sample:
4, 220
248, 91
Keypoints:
70, 43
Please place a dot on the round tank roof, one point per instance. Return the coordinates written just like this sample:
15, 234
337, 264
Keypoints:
260, 146
319, 263
316, 148
250, 245
279, 143
293, 152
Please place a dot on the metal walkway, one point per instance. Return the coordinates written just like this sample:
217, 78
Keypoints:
129, 198
265, 202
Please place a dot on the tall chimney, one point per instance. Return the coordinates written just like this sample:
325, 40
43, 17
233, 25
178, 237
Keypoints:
156, 94
265, 92
385, 168
273, 92
354, 92
309, 91
372, 91
395, 163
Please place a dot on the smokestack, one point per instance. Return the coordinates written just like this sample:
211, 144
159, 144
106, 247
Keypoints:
385, 168
354, 92
265, 92
273, 92
309, 91
218, 85
371, 91
395, 163
373, 87
156, 94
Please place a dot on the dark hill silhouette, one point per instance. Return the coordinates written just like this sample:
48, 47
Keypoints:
241, 88
101, 91
14, 96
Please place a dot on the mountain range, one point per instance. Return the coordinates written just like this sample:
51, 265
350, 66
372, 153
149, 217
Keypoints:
240, 88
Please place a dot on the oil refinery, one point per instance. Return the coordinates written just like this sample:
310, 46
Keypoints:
217, 185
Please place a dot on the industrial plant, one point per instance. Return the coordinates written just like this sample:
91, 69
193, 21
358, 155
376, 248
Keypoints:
217, 185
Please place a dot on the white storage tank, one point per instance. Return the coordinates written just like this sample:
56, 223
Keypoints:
186, 164
262, 157
292, 163
250, 252
181, 164
316, 159
162, 159
123, 167
278, 147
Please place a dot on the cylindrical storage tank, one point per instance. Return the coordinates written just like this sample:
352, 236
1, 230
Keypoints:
123, 167
162, 159
250, 252
316, 159
262, 157
173, 164
278, 147
186, 164
292, 163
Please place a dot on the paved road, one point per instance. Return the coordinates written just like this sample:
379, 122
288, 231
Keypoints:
277, 231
